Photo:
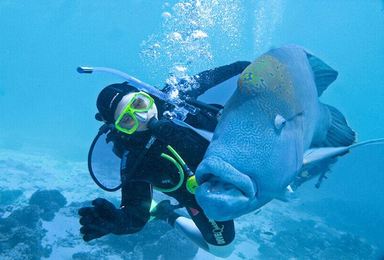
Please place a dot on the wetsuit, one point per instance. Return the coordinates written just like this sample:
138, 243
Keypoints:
143, 171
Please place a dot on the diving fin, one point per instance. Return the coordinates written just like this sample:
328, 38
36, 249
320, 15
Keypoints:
317, 162
315, 155
153, 206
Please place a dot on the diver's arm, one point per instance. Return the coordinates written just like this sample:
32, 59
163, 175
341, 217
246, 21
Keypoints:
104, 218
210, 78
136, 198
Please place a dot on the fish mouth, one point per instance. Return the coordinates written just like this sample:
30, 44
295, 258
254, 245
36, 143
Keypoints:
224, 192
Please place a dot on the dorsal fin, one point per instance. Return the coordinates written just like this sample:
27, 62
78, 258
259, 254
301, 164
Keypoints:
324, 74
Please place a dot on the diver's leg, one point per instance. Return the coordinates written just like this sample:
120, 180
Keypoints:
212, 236
189, 229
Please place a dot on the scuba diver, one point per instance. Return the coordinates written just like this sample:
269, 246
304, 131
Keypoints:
156, 152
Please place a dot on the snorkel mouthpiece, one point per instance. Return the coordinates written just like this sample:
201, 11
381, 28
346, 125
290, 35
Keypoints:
84, 70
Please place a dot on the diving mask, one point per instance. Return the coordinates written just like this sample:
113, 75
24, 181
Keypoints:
134, 112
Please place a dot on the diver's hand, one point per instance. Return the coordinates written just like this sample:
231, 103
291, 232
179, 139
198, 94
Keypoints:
101, 219
164, 210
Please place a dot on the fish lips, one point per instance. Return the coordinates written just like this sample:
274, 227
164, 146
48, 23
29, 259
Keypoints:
224, 192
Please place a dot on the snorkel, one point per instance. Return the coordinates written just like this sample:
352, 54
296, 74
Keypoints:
182, 108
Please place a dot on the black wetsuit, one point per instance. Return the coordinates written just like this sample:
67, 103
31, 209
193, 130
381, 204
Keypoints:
154, 171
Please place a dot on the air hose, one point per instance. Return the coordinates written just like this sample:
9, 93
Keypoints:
182, 168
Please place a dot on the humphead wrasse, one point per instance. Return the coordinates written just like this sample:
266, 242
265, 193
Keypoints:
272, 129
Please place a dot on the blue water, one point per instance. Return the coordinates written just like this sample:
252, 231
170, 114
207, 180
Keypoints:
47, 109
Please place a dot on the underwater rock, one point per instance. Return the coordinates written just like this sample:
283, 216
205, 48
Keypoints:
49, 201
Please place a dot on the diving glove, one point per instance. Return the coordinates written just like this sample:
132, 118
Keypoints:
164, 210
102, 219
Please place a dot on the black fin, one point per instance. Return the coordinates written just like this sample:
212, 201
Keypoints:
324, 74
339, 133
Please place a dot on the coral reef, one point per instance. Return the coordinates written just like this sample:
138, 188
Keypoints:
24, 231
21, 234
